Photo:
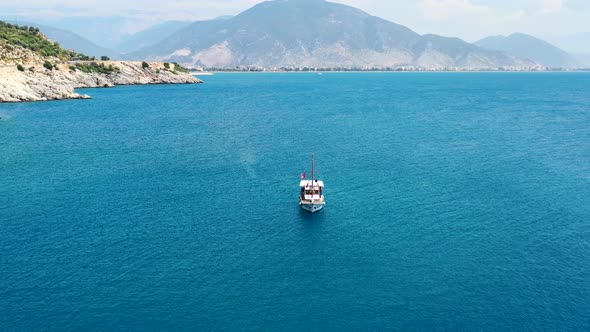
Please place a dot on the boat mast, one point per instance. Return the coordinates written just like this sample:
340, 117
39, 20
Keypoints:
312, 169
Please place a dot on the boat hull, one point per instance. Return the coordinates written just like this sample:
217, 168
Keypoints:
313, 208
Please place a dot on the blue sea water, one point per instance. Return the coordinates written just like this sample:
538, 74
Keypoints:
455, 201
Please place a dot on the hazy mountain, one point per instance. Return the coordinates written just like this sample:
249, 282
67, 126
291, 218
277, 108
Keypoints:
224, 17
70, 40
105, 31
576, 43
583, 60
316, 33
150, 36
529, 47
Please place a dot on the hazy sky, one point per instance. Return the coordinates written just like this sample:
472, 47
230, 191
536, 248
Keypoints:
468, 19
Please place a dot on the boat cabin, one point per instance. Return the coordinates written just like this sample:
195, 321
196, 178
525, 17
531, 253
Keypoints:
311, 190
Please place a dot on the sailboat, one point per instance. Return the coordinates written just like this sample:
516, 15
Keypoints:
311, 195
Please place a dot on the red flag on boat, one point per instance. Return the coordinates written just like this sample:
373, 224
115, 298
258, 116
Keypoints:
303, 176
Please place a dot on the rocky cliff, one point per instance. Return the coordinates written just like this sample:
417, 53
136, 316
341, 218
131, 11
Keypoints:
43, 84
33, 68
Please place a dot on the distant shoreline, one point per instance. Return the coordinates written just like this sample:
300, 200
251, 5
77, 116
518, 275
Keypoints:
392, 71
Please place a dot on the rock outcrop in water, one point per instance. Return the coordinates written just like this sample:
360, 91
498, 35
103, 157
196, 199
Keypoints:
33, 68
42, 84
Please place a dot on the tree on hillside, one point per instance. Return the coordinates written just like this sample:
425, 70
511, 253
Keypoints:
104, 58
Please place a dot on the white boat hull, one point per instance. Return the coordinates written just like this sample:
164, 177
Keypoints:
310, 207
311, 195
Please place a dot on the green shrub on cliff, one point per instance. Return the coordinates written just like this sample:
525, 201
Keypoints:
180, 68
145, 65
30, 38
20, 67
94, 67
48, 65
82, 56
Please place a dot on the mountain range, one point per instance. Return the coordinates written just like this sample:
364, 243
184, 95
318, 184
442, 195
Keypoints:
106, 31
312, 33
149, 36
583, 60
529, 47
317, 33
575, 43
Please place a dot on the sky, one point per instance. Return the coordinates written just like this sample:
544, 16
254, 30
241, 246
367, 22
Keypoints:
563, 22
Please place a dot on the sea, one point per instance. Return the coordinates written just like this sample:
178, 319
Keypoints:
455, 201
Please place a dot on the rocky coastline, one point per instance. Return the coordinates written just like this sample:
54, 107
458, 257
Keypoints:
37, 83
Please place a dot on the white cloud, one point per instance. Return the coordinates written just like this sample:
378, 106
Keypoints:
201, 9
550, 6
442, 10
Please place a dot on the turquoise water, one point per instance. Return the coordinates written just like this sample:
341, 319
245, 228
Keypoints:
455, 201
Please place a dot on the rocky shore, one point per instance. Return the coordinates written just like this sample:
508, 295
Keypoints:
40, 84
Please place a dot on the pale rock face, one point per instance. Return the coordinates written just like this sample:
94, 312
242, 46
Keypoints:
181, 52
35, 86
432, 58
218, 55
337, 55
42, 84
